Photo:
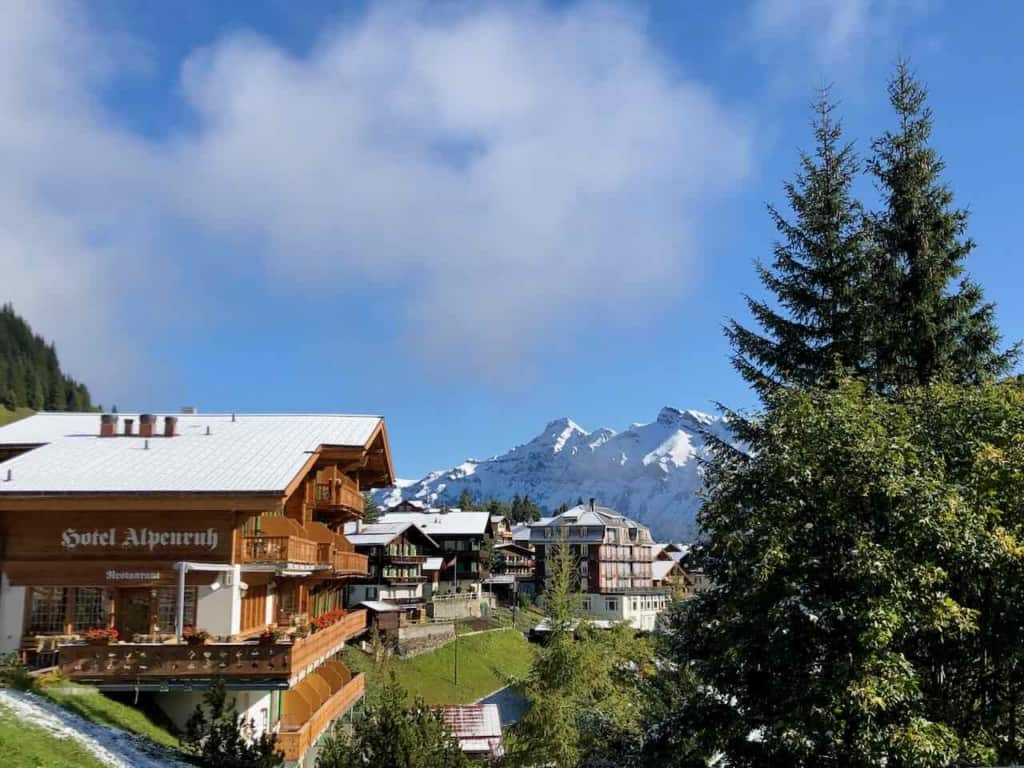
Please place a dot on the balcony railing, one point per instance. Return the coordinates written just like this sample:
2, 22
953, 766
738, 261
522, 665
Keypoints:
350, 563
243, 660
340, 561
404, 579
278, 549
399, 559
312, 705
134, 661
309, 651
336, 493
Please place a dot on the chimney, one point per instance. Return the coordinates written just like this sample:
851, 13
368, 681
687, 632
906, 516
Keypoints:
108, 425
129, 427
147, 423
592, 500
170, 422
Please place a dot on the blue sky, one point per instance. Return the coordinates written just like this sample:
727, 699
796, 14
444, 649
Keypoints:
471, 218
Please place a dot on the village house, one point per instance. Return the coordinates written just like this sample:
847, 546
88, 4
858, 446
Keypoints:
397, 554
614, 557
127, 539
459, 535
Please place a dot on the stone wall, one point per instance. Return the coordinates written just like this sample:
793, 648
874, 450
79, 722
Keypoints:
459, 607
419, 638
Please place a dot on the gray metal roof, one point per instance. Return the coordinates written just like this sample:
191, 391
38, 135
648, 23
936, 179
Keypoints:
242, 453
453, 523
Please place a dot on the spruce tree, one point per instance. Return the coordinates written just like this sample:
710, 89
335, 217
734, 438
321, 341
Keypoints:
819, 275
926, 330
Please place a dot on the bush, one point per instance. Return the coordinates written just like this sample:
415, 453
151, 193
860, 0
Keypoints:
219, 738
14, 673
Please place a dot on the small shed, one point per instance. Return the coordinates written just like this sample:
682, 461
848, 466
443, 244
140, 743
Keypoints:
477, 728
385, 616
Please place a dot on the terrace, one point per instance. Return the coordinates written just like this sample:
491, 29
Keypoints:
161, 663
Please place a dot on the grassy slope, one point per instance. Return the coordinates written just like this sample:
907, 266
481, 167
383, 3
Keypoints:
6, 416
486, 662
94, 706
25, 746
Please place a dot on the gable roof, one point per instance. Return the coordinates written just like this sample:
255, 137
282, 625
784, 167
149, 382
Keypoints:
660, 569
211, 453
455, 523
513, 547
382, 534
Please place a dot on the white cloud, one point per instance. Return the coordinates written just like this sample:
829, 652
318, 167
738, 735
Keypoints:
834, 36
518, 172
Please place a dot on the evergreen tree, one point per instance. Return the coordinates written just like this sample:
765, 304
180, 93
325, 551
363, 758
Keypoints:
867, 561
371, 509
392, 734
926, 329
219, 738
819, 275
30, 374
465, 500
584, 686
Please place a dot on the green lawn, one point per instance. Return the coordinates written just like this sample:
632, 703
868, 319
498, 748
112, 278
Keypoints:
26, 746
7, 416
486, 662
93, 705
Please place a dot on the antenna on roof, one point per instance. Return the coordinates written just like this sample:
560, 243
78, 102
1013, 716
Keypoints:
232, 418
207, 429
145, 445
114, 410
9, 477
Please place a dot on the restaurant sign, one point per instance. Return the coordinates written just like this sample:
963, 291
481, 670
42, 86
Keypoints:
138, 538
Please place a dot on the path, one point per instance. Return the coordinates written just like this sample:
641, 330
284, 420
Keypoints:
511, 705
111, 746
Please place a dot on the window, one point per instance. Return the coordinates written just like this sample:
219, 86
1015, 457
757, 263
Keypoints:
586, 604
167, 608
612, 604
47, 611
90, 608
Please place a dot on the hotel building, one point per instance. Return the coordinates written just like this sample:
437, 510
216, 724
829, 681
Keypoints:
156, 524
614, 557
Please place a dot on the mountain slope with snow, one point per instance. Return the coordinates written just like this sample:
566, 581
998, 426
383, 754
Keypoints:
649, 472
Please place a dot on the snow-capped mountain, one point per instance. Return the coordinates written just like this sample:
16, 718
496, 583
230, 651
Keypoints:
649, 472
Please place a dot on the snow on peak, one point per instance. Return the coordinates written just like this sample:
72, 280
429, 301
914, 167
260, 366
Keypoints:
649, 471
670, 416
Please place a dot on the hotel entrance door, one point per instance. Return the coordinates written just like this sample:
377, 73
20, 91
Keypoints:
133, 612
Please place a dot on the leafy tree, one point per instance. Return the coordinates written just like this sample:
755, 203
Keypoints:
219, 738
394, 735
820, 275
371, 509
867, 558
926, 330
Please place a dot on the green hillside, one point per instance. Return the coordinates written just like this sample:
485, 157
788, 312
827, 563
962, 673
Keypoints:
30, 374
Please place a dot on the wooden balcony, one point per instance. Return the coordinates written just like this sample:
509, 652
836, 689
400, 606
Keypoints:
337, 552
311, 650
313, 704
397, 580
278, 549
335, 496
151, 661
277, 662
350, 563
405, 559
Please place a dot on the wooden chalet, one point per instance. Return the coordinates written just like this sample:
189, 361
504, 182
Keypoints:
166, 527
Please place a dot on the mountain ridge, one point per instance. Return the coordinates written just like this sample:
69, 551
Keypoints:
649, 471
